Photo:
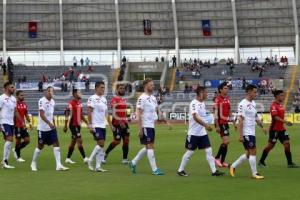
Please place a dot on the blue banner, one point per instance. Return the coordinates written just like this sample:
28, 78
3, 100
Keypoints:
235, 83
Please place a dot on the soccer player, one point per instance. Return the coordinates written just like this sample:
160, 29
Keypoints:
119, 123
97, 114
47, 133
222, 115
21, 131
146, 111
74, 110
8, 112
197, 137
247, 114
278, 131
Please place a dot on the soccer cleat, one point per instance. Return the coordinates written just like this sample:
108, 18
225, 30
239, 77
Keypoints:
90, 165
232, 171
293, 165
218, 173
262, 164
132, 167
225, 165
7, 166
20, 160
257, 176
218, 163
69, 161
86, 160
157, 172
99, 169
182, 173
103, 162
62, 168
125, 161
33, 167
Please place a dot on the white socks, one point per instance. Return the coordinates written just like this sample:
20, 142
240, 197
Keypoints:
6, 150
99, 157
56, 151
151, 158
36, 154
94, 152
210, 159
252, 162
139, 156
239, 161
185, 159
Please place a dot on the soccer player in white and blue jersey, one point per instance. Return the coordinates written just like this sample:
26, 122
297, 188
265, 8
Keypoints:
47, 133
248, 118
197, 137
97, 117
8, 111
146, 111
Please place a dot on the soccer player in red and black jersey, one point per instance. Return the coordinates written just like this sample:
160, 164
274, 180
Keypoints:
74, 111
120, 123
278, 131
222, 116
21, 131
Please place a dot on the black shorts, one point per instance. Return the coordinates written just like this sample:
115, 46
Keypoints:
120, 133
224, 130
75, 131
282, 136
193, 142
21, 133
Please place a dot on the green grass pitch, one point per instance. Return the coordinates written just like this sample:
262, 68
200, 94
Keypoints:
80, 183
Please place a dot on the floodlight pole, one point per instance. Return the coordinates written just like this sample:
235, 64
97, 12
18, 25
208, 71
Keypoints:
236, 34
61, 31
119, 48
296, 32
4, 32
177, 48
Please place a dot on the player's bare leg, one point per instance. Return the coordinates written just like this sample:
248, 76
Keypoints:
70, 151
81, 149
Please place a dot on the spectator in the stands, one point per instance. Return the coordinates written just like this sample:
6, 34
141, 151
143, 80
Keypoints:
4, 69
283, 62
71, 74
244, 83
24, 79
87, 61
40, 86
1, 61
174, 61
156, 59
162, 59
215, 61
74, 61
81, 62
90, 69
87, 85
124, 60
44, 78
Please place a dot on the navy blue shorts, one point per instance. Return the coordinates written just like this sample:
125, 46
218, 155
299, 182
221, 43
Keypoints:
193, 142
148, 136
7, 130
47, 137
249, 142
99, 134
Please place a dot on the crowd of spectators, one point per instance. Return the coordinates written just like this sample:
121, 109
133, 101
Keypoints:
296, 101
7, 69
